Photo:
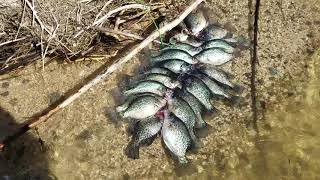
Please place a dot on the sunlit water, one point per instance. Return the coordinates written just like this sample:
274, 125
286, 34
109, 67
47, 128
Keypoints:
288, 145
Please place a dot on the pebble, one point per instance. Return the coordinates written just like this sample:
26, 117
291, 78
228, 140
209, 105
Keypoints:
200, 169
273, 71
5, 85
4, 94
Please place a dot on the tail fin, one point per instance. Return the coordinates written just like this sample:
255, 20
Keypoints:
183, 169
236, 53
243, 43
235, 101
112, 115
124, 80
238, 89
132, 150
204, 132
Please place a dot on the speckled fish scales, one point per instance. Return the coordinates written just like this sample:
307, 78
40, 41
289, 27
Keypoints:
180, 86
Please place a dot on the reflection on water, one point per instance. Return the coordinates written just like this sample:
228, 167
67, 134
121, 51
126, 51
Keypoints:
289, 141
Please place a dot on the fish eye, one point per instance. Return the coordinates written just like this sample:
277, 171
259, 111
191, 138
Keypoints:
185, 31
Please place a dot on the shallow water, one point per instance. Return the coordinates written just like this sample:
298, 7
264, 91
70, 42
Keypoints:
288, 144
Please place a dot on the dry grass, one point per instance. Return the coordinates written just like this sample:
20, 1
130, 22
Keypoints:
37, 29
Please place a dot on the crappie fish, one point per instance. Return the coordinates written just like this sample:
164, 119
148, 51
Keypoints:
182, 110
214, 56
196, 106
184, 47
164, 79
157, 70
213, 32
217, 75
143, 131
196, 22
149, 104
213, 86
177, 66
218, 43
199, 90
153, 87
173, 54
176, 137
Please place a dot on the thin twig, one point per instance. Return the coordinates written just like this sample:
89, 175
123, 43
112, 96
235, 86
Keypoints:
11, 57
12, 41
134, 36
21, 21
33, 18
78, 14
101, 20
85, 1
115, 66
110, 13
102, 9
43, 26
37, 17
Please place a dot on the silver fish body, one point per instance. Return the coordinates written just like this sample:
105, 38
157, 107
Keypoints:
214, 56
157, 70
147, 87
176, 137
184, 47
125, 104
177, 66
182, 110
199, 90
213, 86
149, 104
217, 74
196, 106
231, 40
164, 79
146, 129
143, 131
196, 22
218, 43
173, 54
